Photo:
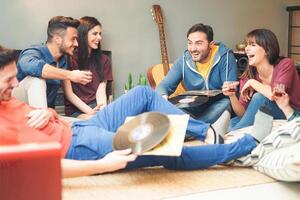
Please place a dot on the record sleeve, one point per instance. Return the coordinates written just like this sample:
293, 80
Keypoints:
142, 133
172, 143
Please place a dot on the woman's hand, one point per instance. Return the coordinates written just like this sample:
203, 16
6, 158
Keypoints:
247, 91
282, 101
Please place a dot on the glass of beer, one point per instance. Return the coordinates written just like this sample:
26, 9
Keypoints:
232, 86
279, 89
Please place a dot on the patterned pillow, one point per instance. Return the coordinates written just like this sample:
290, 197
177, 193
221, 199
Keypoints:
282, 164
283, 136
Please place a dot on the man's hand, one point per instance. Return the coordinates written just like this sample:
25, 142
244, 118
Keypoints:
229, 88
83, 77
38, 118
118, 159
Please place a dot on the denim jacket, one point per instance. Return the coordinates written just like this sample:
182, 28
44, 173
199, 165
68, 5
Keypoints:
31, 62
184, 69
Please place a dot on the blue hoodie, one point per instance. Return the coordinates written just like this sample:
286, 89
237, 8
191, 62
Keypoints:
184, 69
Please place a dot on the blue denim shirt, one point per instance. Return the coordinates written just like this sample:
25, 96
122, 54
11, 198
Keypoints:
31, 63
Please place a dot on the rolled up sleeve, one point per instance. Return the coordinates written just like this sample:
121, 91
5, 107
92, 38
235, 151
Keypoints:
31, 63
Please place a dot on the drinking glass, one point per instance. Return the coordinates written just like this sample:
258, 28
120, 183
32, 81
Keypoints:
232, 86
279, 89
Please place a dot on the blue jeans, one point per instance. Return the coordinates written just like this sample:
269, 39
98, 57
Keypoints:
212, 112
255, 103
215, 110
92, 139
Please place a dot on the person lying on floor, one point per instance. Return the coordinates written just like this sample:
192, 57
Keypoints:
87, 145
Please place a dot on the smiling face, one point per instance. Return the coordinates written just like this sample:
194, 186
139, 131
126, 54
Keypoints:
262, 48
68, 41
198, 46
256, 54
8, 81
94, 37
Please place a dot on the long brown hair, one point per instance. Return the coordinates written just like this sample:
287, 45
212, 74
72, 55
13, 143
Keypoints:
84, 59
268, 41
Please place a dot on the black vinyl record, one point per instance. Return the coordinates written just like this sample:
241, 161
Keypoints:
142, 133
188, 101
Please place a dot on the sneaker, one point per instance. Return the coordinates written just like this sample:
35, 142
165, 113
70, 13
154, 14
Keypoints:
218, 139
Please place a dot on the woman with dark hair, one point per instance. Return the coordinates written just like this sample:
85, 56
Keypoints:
83, 101
265, 73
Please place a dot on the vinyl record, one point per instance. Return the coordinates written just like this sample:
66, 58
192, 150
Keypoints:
188, 101
142, 133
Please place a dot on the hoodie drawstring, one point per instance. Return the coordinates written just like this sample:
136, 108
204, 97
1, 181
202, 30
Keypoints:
227, 63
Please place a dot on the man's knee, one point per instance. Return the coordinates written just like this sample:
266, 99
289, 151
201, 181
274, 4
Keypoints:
37, 82
35, 89
28, 82
222, 104
143, 89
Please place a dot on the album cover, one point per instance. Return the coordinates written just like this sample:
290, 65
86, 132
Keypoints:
173, 142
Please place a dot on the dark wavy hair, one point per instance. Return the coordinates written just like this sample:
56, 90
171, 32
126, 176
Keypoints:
7, 56
204, 29
84, 59
268, 41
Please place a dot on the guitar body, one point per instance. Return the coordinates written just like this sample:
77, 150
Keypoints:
158, 72
155, 75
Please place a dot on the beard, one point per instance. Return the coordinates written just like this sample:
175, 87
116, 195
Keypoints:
63, 50
202, 55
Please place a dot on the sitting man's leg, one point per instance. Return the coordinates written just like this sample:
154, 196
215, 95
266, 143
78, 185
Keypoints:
32, 90
256, 102
214, 111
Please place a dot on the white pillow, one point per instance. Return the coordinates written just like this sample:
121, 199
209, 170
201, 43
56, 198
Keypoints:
284, 136
282, 164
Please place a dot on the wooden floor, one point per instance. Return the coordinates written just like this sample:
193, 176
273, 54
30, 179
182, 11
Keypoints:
158, 183
268, 191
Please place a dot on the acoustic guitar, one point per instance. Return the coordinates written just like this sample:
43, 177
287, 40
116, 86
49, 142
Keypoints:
156, 73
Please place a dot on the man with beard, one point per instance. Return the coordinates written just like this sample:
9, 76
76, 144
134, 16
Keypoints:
205, 65
42, 67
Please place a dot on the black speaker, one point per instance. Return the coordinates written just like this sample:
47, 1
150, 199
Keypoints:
242, 62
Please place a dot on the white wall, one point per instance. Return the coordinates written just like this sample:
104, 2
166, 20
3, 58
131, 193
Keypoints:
130, 32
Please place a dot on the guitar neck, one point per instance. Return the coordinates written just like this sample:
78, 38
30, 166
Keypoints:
163, 48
